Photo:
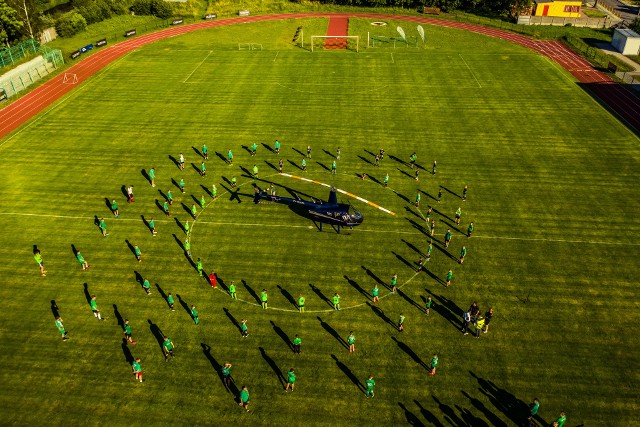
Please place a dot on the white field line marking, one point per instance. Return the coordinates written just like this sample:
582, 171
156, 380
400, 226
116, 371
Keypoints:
73, 94
392, 60
328, 310
471, 71
274, 59
198, 66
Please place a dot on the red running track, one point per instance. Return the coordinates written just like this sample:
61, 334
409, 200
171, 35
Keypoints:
338, 26
620, 100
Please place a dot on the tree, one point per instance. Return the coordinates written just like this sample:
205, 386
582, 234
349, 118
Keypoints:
70, 23
10, 24
29, 15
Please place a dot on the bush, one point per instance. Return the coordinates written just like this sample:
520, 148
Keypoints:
635, 25
158, 8
70, 24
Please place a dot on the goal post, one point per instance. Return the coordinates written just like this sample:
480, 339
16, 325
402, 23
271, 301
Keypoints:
347, 39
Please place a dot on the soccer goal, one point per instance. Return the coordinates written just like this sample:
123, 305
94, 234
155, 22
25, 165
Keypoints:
335, 42
70, 78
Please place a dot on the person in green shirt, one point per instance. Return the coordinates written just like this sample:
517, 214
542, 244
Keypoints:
394, 282
301, 304
264, 299
375, 291
165, 208
296, 344
199, 267
255, 171
60, 327
244, 398
463, 253
470, 229
203, 202
81, 260
304, 165
126, 330
291, 380
336, 301
194, 314
458, 214
167, 348
152, 177
386, 180
94, 308
137, 370
214, 191
401, 323
203, 169
447, 238
181, 183
103, 227
170, 302
561, 420
138, 253
38, 257
429, 251
533, 408
147, 286
370, 383
417, 203
170, 197
412, 160
334, 167
428, 305
194, 211
254, 149
186, 228
428, 215
152, 227
234, 180
434, 364
449, 277
205, 151
226, 374
232, 291
351, 342
244, 329
479, 325
229, 157
276, 147
114, 208
187, 247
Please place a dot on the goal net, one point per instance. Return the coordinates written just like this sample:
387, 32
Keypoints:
70, 79
335, 42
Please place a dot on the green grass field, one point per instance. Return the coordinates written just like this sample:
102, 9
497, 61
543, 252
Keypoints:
552, 180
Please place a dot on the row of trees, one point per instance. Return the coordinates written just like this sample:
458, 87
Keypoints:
18, 19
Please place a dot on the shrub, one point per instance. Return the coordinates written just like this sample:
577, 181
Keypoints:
158, 8
70, 23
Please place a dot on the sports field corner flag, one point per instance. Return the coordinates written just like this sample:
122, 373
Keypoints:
421, 32
401, 32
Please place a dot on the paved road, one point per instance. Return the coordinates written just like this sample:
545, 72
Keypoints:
626, 12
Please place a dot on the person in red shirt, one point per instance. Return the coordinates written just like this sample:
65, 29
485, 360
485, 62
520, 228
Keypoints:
213, 280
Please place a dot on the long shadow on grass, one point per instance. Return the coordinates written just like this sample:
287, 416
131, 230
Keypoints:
294, 164
273, 366
376, 278
380, 313
131, 248
405, 173
223, 158
419, 227
325, 167
320, 295
233, 194
288, 296
453, 227
349, 374
145, 175
470, 419
328, 153
404, 260
493, 418
412, 419
54, 309
233, 320
157, 333
299, 152
268, 148
451, 192
206, 349
504, 401
125, 350
116, 313
162, 293
357, 287
450, 413
414, 248
447, 309
443, 250
410, 301
123, 190
411, 353
402, 162
252, 292
442, 215
428, 415
175, 161
184, 305
332, 332
87, 295
271, 165
408, 209
282, 334
180, 225
402, 196
365, 160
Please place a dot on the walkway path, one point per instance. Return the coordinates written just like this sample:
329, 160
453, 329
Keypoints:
338, 26
619, 99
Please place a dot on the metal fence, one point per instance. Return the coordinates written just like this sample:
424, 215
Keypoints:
26, 74
562, 21
10, 56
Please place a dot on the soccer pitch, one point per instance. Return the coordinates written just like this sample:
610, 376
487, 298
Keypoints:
551, 177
